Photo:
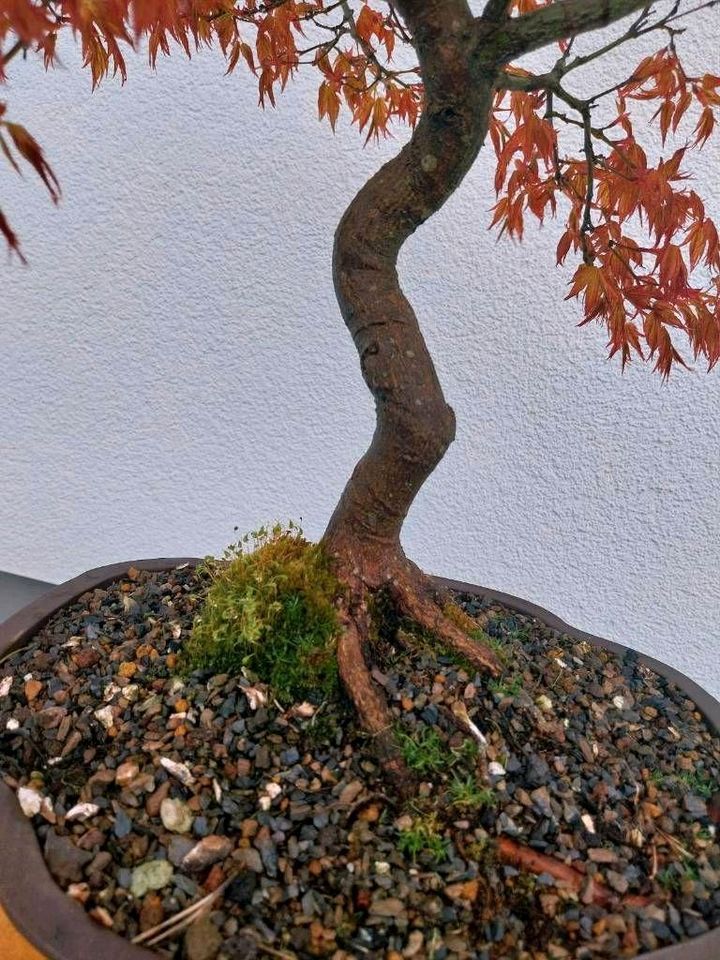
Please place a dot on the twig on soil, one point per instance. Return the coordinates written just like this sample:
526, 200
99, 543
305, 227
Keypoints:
13, 652
653, 869
528, 859
266, 948
179, 921
683, 851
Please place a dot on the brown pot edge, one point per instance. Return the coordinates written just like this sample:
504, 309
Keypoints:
62, 930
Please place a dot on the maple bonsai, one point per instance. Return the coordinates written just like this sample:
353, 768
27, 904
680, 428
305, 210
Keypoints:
462, 89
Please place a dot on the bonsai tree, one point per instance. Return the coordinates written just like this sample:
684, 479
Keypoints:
648, 257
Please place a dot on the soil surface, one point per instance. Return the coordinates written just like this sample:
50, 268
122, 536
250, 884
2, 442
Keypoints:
149, 791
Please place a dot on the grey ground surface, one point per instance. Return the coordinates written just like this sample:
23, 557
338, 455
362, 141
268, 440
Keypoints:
16, 591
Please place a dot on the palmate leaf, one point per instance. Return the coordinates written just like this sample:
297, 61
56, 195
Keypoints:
29, 149
10, 237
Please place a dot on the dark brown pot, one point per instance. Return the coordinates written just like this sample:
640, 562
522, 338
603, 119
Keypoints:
60, 929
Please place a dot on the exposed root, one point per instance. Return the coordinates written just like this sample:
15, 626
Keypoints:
369, 702
591, 890
416, 597
412, 598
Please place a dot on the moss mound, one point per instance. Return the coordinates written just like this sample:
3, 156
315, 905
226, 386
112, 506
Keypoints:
270, 609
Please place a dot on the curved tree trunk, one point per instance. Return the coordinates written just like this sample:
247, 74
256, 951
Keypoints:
415, 425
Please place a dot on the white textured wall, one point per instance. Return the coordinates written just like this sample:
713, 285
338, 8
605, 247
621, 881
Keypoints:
174, 364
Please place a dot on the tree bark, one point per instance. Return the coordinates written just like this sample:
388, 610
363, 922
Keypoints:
415, 424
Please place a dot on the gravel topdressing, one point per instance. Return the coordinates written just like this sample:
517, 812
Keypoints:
148, 792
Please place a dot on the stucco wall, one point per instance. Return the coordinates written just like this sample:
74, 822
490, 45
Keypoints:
174, 364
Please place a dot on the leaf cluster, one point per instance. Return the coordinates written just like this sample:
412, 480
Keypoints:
640, 230
649, 253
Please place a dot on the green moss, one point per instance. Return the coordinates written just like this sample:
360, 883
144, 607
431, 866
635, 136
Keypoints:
423, 839
423, 751
674, 876
466, 754
466, 794
270, 609
321, 730
496, 644
698, 782
506, 686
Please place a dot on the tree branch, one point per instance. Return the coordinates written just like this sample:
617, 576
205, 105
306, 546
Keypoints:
566, 18
12, 52
495, 10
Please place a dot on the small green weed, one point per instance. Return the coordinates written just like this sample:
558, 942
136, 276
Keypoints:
498, 645
466, 794
482, 851
506, 686
674, 876
423, 751
423, 838
466, 753
269, 607
698, 782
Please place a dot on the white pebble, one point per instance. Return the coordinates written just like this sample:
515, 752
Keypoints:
255, 697
496, 769
637, 838
12, 724
131, 692
178, 770
111, 690
82, 811
619, 702
105, 716
304, 709
176, 815
5, 685
588, 822
30, 801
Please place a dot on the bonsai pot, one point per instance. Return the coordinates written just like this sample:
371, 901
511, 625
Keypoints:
38, 920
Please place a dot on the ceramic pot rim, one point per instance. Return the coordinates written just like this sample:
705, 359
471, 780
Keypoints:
61, 929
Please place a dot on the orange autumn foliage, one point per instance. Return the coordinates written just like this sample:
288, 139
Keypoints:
647, 253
